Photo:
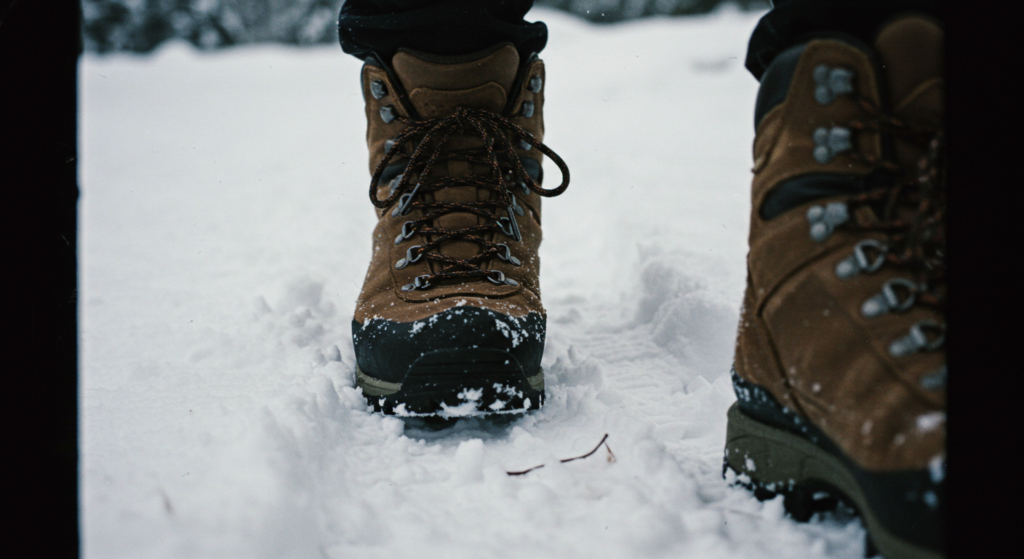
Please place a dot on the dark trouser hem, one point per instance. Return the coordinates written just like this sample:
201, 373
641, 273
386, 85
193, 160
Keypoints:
446, 27
792, 22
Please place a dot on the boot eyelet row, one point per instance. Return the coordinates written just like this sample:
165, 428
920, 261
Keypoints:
831, 83
924, 335
858, 262
825, 219
378, 90
889, 299
829, 142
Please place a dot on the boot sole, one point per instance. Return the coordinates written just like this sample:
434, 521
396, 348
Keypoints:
810, 479
457, 383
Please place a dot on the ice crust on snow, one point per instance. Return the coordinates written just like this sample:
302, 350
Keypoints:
225, 237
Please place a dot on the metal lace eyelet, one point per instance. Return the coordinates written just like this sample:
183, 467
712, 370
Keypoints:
377, 89
403, 202
863, 262
824, 220
829, 142
859, 261
847, 268
518, 209
419, 282
388, 144
507, 256
892, 298
924, 335
526, 190
407, 231
527, 110
536, 82
831, 83
889, 300
387, 114
501, 279
509, 226
409, 258
525, 145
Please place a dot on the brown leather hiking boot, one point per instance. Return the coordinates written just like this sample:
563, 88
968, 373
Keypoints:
450, 321
840, 367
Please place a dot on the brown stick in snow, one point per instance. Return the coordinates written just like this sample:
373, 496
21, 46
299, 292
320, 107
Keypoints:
611, 457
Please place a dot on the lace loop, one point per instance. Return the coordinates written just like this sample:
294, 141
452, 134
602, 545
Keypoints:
488, 126
500, 138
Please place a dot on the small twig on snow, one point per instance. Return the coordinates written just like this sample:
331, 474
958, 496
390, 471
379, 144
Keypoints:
611, 457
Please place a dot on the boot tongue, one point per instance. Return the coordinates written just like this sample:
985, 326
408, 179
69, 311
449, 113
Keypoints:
911, 52
911, 49
436, 86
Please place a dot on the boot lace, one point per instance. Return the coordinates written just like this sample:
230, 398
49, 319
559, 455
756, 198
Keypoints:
911, 214
499, 136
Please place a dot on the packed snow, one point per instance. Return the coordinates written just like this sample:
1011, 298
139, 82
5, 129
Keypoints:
225, 236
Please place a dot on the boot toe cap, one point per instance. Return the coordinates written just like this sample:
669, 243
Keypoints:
386, 349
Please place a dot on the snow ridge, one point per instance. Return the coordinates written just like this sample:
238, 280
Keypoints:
225, 237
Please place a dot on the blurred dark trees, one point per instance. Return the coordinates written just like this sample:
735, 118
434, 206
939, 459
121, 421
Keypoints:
141, 25
611, 11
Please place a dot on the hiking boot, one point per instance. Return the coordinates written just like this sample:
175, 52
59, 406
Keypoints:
840, 369
449, 321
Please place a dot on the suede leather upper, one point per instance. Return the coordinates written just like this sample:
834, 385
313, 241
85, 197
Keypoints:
435, 89
802, 335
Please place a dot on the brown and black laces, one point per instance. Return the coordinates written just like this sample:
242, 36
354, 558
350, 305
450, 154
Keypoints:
911, 215
500, 137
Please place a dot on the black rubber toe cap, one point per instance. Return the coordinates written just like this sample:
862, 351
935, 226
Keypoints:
908, 503
385, 349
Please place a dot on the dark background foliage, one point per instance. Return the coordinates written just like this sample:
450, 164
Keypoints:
141, 25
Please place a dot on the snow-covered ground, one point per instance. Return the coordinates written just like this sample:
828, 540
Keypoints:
225, 235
